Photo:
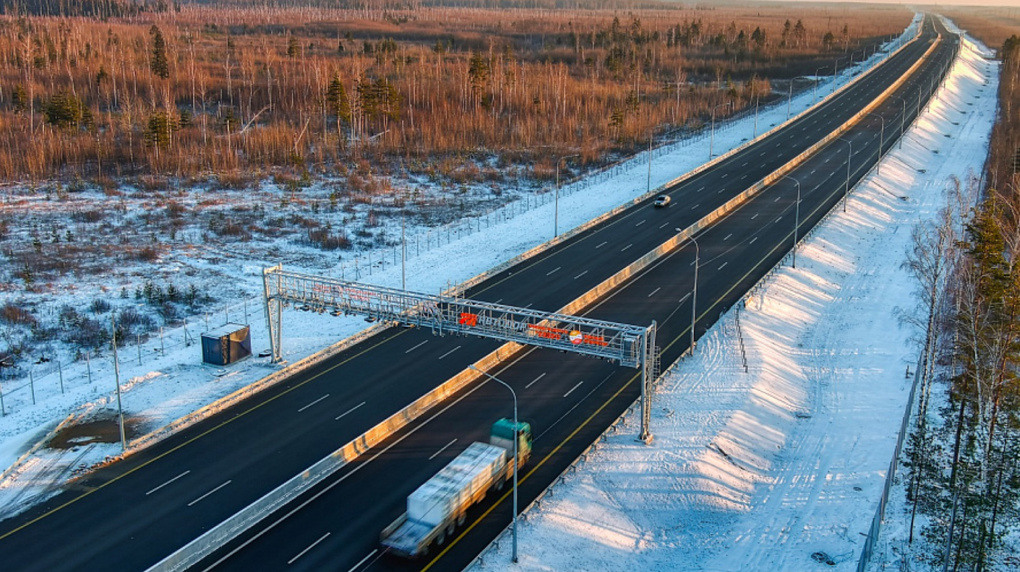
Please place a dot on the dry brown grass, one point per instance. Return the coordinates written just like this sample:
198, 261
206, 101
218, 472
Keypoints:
559, 82
991, 25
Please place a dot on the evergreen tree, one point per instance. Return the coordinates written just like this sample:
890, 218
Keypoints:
159, 64
478, 73
339, 104
19, 99
293, 48
159, 130
63, 110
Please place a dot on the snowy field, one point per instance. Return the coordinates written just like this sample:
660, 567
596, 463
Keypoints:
762, 470
163, 379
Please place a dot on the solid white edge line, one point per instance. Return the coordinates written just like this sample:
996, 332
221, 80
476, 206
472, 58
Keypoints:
168, 482
653, 292
310, 546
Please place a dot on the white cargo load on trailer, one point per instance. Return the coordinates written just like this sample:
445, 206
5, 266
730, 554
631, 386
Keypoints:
438, 507
446, 493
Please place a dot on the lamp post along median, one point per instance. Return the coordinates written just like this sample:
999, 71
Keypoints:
796, 220
694, 293
881, 141
711, 138
516, 452
556, 208
903, 119
849, 156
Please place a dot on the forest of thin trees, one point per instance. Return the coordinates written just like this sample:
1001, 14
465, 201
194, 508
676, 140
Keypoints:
200, 90
964, 479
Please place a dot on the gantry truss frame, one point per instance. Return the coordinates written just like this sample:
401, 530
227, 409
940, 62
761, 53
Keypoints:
628, 345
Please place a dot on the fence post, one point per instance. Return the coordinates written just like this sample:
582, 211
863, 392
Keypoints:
88, 365
60, 371
138, 344
3, 412
162, 346
31, 384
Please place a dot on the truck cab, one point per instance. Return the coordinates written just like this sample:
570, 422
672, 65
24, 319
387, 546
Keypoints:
503, 434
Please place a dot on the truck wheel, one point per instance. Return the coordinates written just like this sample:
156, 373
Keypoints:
461, 519
441, 538
500, 484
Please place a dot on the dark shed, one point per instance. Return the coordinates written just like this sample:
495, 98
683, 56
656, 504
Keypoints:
226, 344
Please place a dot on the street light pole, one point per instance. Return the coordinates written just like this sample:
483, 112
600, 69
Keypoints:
694, 294
756, 99
516, 458
816, 83
650, 137
116, 378
403, 246
796, 220
711, 139
789, 100
881, 141
849, 156
903, 119
556, 209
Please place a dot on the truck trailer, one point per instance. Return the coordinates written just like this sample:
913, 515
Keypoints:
436, 508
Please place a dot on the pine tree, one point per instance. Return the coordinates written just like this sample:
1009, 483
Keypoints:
159, 64
63, 110
159, 130
293, 48
339, 104
19, 99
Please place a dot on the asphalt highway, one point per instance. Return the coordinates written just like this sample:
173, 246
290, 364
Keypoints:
568, 399
131, 514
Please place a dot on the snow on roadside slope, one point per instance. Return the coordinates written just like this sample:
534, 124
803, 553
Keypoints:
165, 387
759, 471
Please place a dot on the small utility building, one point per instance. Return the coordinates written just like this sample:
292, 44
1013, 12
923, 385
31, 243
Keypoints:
226, 344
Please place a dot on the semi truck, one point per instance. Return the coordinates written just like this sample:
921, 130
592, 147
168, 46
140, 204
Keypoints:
436, 508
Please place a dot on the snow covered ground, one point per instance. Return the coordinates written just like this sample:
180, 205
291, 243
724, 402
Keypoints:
761, 470
163, 379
